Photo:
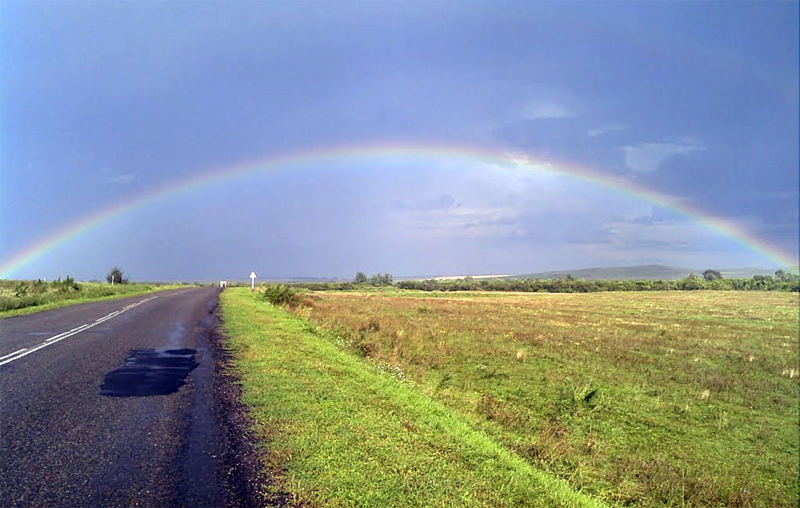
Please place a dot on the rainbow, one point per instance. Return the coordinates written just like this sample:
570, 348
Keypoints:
725, 227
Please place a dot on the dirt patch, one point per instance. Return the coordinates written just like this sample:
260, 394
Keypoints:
246, 482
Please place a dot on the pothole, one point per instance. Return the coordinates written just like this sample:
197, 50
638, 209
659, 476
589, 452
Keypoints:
149, 372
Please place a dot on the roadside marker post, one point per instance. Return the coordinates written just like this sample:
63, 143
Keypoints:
252, 281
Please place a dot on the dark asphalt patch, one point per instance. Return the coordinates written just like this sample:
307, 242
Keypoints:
149, 372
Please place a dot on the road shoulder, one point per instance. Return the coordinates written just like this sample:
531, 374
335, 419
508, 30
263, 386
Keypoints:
245, 479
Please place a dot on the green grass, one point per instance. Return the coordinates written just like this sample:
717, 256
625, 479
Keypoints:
647, 399
342, 431
50, 296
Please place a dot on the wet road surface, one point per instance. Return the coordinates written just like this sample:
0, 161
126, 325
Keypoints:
109, 404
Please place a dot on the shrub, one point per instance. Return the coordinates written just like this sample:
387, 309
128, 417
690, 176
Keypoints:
39, 287
21, 289
8, 303
280, 294
116, 276
363, 344
66, 285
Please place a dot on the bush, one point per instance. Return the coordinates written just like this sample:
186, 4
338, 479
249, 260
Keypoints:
115, 276
280, 294
20, 290
40, 287
8, 303
66, 285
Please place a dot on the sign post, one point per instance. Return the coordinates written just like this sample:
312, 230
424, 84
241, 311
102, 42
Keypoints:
252, 281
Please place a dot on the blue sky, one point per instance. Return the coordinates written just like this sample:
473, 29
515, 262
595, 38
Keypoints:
105, 102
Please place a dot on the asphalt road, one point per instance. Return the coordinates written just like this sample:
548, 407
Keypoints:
73, 431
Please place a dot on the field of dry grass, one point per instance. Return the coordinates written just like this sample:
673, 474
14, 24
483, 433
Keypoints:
653, 399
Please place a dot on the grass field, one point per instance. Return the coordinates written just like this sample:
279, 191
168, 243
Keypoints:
647, 399
344, 433
26, 297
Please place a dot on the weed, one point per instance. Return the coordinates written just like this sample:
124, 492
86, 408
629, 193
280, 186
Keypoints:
444, 381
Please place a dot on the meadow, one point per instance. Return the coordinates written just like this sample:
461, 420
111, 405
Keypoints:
646, 399
28, 296
341, 431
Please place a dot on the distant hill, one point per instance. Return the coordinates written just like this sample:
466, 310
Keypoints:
641, 272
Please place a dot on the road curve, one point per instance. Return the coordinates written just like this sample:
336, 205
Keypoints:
66, 442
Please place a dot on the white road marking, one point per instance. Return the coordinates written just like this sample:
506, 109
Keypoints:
180, 292
61, 336
71, 332
13, 354
113, 314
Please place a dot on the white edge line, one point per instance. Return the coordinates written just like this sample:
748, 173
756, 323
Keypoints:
61, 336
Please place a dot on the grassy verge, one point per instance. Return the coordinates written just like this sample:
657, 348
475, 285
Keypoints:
647, 399
53, 298
343, 431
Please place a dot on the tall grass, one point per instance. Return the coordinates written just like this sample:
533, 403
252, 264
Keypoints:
652, 399
342, 431
23, 297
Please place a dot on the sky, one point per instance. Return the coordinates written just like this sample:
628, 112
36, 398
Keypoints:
205, 140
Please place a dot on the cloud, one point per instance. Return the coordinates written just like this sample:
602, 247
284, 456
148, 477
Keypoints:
449, 224
648, 157
123, 179
593, 133
546, 110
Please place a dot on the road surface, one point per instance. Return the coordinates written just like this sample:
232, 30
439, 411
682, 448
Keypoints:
109, 404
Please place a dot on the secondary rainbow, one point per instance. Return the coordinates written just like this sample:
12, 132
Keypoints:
392, 151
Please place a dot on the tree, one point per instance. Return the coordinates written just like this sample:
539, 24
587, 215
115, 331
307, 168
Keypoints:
361, 278
690, 283
762, 282
710, 275
784, 276
378, 279
115, 276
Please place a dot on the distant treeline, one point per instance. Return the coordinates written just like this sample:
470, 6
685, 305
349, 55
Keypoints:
782, 281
